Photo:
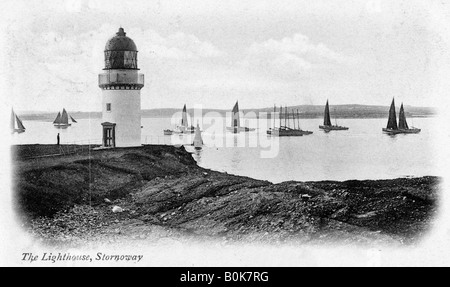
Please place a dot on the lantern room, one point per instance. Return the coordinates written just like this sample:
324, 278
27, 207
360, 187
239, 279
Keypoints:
120, 52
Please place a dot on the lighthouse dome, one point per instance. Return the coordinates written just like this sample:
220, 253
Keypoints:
120, 42
120, 52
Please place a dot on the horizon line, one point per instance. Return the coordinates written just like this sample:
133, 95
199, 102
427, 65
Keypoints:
221, 109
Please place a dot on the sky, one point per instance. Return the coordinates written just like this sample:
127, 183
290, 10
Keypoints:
212, 53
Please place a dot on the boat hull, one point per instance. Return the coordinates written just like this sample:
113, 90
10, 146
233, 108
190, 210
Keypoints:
239, 129
184, 130
168, 132
333, 128
401, 131
288, 132
19, 131
62, 125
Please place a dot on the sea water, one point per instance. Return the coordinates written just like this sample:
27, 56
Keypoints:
362, 152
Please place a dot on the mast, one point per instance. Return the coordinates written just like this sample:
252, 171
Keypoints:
289, 119
326, 118
281, 111
274, 113
392, 121
285, 116
402, 124
298, 120
293, 118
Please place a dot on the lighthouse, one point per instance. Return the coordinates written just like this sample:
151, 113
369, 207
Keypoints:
121, 85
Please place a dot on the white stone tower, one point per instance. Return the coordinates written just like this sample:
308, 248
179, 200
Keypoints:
121, 86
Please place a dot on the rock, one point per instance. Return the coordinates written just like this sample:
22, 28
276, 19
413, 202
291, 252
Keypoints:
341, 213
117, 209
227, 199
305, 197
367, 214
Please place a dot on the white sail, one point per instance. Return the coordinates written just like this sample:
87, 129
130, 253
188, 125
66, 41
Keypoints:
184, 118
16, 123
19, 124
198, 141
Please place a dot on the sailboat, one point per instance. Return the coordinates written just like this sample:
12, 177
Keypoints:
327, 126
62, 119
402, 127
286, 130
16, 124
236, 121
198, 141
184, 128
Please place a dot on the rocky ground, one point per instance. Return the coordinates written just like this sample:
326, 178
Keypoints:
162, 193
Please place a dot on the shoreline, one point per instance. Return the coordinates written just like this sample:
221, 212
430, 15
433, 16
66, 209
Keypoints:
162, 192
346, 111
48, 118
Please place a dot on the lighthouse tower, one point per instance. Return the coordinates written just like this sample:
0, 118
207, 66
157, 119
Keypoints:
121, 86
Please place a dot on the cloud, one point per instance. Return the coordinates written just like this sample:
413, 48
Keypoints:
177, 46
291, 62
291, 56
62, 65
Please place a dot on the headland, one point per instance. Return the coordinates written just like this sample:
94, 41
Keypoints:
65, 195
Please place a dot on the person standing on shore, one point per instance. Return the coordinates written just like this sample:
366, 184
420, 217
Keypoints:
57, 139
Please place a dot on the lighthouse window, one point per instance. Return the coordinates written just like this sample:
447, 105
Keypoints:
108, 107
130, 60
120, 59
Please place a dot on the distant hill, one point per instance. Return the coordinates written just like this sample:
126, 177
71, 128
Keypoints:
305, 111
46, 116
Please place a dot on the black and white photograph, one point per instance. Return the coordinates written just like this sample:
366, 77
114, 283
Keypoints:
225, 133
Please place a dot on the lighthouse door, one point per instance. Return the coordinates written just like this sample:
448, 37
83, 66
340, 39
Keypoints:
108, 137
109, 134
